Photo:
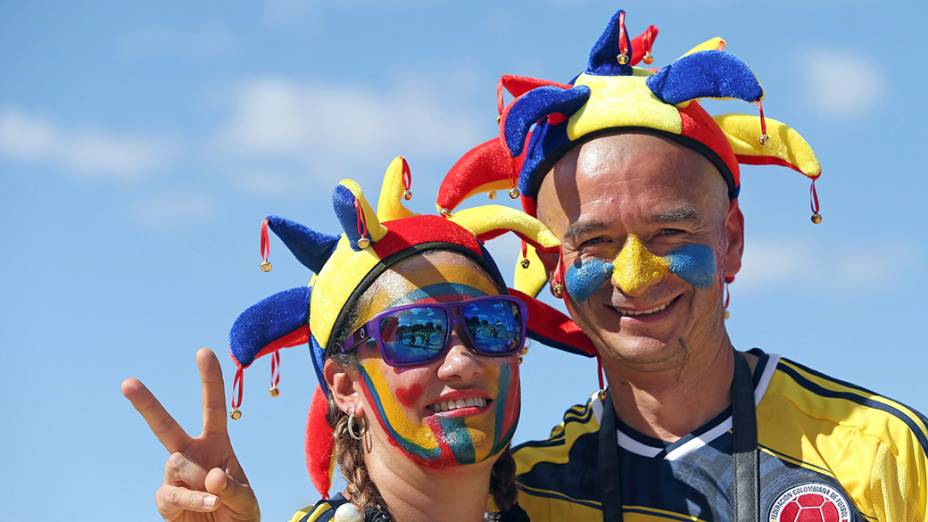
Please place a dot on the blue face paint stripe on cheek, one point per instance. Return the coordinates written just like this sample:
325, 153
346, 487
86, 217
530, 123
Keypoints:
584, 278
502, 396
455, 434
695, 264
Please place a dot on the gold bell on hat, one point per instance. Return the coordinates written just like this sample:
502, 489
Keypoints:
816, 218
514, 193
525, 262
491, 194
648, 58
407, 194
236, 414
622, 58
266, 266
274, 391
363, 243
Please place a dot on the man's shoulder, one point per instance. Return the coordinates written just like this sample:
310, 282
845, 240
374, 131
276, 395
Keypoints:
577, 421
557, 468
321, 511
808, 402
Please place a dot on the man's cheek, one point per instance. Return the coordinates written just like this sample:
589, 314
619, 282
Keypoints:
695, 263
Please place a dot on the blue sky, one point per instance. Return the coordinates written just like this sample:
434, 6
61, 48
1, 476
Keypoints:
141, 145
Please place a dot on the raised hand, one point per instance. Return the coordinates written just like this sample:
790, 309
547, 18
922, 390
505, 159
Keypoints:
202, 477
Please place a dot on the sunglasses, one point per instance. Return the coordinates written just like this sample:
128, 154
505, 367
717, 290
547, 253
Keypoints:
416, 334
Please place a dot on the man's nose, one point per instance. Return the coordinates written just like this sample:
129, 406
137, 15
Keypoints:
635, 269
460, 364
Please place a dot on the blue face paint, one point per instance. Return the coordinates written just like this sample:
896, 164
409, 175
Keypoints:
695, 264
584, 278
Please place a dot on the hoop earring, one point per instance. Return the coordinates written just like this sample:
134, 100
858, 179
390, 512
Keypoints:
351, 427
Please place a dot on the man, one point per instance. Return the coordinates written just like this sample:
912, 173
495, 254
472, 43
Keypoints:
641, 186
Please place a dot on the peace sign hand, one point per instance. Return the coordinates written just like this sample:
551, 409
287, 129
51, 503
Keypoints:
203, 480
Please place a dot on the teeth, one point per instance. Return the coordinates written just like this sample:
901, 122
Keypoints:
455, 404
643, 312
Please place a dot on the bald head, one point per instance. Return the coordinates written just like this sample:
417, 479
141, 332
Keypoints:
638, 168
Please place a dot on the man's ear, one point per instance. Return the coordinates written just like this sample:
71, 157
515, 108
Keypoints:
341, 381
734, 233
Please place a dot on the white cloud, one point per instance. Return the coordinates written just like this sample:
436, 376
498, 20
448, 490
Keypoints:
874, 265
280, 117
172, 209
840, 83
331, 128
30, 138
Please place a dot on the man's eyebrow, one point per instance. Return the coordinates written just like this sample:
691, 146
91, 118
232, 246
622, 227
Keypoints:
676, 215
581, 228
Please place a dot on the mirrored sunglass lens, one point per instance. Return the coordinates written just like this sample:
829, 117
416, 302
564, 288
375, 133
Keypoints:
413, 335
494, 326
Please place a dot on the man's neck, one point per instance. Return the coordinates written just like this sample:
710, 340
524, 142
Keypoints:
672, 403
415, 494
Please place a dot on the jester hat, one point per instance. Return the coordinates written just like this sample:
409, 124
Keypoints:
546, 119
347, 264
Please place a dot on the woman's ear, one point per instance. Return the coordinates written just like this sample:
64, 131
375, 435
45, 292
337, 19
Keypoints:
342, 384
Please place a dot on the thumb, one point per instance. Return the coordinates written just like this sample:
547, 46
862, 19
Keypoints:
236, 496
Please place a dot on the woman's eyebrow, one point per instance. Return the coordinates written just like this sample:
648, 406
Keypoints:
436, 291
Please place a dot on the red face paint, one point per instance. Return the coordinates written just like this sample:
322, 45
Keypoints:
409, 397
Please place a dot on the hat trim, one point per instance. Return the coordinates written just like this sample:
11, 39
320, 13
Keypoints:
686, 141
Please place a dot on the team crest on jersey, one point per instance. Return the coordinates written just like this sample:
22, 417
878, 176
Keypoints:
810, 502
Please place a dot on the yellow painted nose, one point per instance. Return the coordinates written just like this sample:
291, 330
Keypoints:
636, 268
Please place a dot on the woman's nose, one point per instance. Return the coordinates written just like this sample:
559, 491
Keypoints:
460, 362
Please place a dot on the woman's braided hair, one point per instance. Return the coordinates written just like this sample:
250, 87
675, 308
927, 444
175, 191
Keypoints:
349, 451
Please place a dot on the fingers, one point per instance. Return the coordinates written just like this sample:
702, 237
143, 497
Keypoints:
171, 435
213, 392
174, 500
237, 496
181, 471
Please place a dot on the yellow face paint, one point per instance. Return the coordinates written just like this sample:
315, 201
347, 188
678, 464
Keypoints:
398, 397
636, 268
441, 440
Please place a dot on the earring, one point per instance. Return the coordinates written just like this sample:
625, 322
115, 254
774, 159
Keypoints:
351, 427
557, 285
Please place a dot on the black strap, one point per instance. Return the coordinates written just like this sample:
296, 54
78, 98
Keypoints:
744, 443
610, 472
744, 452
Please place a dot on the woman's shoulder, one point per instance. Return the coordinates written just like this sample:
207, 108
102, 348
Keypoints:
321, 511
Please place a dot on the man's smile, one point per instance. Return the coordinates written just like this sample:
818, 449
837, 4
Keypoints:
645, 313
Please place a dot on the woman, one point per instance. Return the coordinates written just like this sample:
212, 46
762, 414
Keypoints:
415, 340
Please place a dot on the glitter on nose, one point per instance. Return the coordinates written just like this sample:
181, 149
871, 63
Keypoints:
636, 268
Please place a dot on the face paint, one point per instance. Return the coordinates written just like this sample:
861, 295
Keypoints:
636, 268
694, 263
437, 440
584, 278
397, 398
